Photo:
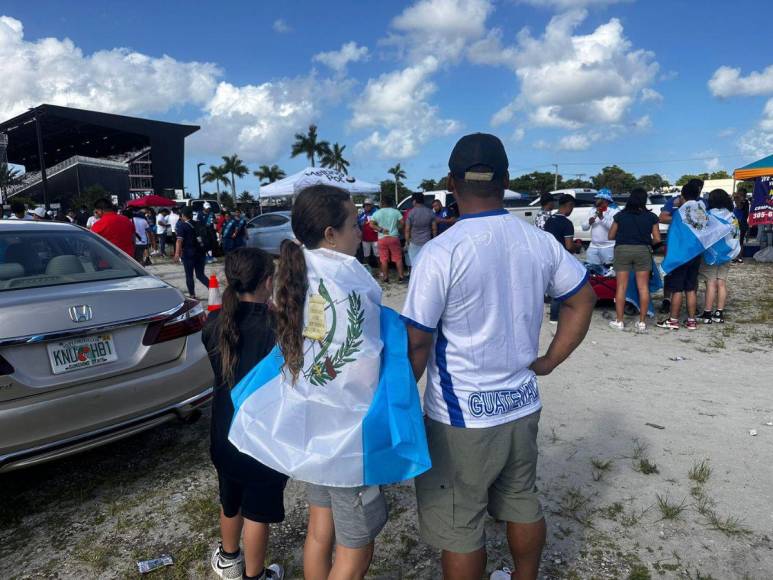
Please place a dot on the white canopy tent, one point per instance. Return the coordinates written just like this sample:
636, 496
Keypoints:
316, 176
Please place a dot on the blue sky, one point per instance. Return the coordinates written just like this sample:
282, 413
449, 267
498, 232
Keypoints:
654, 86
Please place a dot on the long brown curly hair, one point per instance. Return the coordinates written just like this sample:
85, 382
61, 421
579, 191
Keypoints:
315, 209
245, 270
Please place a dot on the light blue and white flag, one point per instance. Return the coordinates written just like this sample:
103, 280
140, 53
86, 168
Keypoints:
353, 417
729, 247
693, 231
632, 291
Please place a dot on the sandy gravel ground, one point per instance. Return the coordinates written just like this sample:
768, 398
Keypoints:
689, 496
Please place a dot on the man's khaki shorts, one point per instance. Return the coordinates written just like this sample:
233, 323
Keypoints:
474, 471
708, 273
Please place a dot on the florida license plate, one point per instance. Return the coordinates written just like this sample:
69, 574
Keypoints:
81, 353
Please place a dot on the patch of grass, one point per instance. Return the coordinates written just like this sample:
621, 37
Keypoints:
669, 510
600, 464
554, 438
639, 449
93, 553
730, 525
575, 505
612, 511
729, 330
717, 342
632, 518
700, 472
639, 572
201, 513
646, 467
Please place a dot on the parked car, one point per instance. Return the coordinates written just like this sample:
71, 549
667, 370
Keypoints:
584, 204
512, 199
93, 348
268, 231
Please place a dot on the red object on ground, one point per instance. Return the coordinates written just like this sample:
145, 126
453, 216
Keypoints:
152, 201
604, 288
117, 229
215, 301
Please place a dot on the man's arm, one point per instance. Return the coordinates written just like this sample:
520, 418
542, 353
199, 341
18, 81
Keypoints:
573, 323
178, 249
665, 217
612, 232
434, 228
407, 231
569, 243
419, 345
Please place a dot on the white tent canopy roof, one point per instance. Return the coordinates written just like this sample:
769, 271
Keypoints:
316, 176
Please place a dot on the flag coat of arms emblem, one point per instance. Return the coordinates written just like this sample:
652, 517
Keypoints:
353, 416
693, 231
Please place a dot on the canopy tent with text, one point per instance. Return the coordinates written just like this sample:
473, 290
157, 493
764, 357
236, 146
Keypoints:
316, 176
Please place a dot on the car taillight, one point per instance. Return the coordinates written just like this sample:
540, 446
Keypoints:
5, 367
188, 320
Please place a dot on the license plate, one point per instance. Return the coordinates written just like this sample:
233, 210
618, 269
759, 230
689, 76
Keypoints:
81, 353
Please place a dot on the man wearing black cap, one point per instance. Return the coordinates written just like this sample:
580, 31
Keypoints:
474, 310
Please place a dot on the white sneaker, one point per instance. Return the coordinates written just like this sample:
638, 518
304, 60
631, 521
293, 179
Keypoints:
641, 327
503, 574
617, 324
274, 572
228, 568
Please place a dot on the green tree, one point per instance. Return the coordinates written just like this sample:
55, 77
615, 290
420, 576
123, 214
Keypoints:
334, 159
536, 182
685, 178
399, 174
615, 179
8, 177
721, 174
89, 196
309, 145
388, 190
217, 174
236, 168
428, 185
268, 174
652, 182
246, 197
576, 184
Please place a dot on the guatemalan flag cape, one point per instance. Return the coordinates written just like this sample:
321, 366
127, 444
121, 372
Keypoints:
729, 247
693, 231
353, 417
632, 291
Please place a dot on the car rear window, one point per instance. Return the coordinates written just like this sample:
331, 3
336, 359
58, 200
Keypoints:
35, 259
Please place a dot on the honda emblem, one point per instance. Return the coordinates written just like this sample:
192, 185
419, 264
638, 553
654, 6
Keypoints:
80, 313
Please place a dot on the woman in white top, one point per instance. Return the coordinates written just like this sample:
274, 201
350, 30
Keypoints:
162, 227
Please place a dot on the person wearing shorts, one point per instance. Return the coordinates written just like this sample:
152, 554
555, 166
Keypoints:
359, 513
635, 231
388, 222
482, 399
369, 235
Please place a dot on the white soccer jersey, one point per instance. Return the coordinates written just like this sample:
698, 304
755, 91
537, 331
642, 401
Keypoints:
480, 289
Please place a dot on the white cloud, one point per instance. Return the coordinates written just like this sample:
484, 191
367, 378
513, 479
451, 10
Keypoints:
395, 105
339, 59
56, 71
574, 142
759, 141
568, 4
570, 80
259, 121
728, 82
643, 123
648, 94
518, 134
281, 26
439, 28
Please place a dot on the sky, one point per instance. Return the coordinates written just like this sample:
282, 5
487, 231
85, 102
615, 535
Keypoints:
655, 86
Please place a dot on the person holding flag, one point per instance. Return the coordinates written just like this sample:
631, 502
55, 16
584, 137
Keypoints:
693, 230
335, 404
716, 266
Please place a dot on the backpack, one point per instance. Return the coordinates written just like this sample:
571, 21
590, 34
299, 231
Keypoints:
200, 238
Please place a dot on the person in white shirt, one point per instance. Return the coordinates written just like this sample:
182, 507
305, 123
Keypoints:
19, 212
93, 218
474, 310
141, 229
601, 250
162, 227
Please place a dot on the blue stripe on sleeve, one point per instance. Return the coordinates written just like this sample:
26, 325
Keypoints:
446, 384
574, 290
418, 325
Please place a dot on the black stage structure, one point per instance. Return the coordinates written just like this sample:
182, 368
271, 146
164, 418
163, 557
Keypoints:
128, 156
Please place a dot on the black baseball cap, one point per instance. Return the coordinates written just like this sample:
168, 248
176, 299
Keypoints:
479, 151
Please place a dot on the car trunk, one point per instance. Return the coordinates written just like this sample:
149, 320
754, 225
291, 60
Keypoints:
117, 308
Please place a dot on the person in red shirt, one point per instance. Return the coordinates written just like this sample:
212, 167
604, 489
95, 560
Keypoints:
369, 235
113, 227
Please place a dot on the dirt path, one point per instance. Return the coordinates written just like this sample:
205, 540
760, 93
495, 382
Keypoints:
623, 499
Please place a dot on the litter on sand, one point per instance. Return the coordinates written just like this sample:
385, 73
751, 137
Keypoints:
676, 358
752, 432
146, 566
655, 425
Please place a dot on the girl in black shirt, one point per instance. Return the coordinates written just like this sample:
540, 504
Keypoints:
251, 494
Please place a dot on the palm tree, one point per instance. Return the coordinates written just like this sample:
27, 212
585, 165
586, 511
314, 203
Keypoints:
398, 173
8, 177
216, 174
308, 145
270, 174
428, 185
233, 165
334, 158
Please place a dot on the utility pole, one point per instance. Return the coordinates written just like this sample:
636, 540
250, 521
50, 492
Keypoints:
555, 180
43, 176
198, 172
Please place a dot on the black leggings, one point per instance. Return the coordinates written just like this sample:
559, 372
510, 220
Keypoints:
191, 265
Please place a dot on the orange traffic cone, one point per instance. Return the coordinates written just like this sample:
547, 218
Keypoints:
215, 301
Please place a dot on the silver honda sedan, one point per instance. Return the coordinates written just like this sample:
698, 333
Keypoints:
92, 347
